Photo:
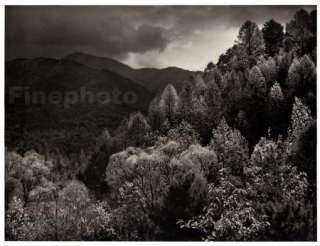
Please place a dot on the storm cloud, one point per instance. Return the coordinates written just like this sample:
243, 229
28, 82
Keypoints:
142, 36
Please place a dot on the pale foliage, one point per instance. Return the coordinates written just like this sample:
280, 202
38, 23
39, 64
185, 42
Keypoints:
240, 212
151, 176
276, 93
231, 147
169, 103
17, 221
229, 216
184, 134
73, 202
301, 118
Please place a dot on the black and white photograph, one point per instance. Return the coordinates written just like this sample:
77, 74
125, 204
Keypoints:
160, 123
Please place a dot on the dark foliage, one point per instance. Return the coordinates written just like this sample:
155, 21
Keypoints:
273, 36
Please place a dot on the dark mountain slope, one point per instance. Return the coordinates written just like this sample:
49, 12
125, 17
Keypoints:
157, 79
65, 76
101, 63
151, 78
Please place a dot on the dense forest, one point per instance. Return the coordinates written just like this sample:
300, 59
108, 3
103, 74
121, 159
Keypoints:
229, 154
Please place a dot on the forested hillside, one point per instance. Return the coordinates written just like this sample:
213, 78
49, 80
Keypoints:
231, 155
77, 116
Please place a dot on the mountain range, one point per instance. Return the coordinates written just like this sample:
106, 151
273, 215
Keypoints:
152, 79
70, 74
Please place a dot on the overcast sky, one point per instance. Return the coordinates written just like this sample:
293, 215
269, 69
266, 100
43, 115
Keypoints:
146, 36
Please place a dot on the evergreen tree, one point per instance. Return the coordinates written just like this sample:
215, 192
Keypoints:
276, 94
256, 86
299, 29
214, 102
254, 104
273, 36
154, 114
277, 116
225, 59
209, 67
269, 70
283, 62
250, 39
200, 118
302, 76
185, 106
214, 76
138, 129
169, 103
104, 138
232, 93
199, 85
93, 175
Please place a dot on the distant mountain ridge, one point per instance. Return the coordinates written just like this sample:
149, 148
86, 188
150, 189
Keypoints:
64, 75
155, 80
